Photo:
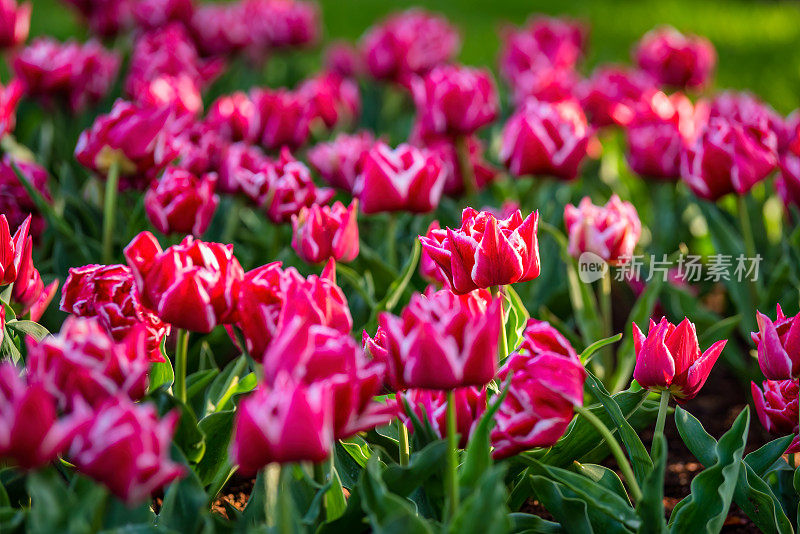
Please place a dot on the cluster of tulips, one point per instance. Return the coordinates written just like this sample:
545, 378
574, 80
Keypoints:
417, 400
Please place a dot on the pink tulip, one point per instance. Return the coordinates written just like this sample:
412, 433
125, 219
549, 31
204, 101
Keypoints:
240, 163
788, 181
133, 137
126, 447
323, 232
442, 340
545, 386
235, 117
276, 24
610, 231
180, 202
540, 338
545, 138
407, 43
153, 14
84, 362
180, 93
286, 422
106, 18
613, 94
429, 269
12, 249
456, 100
192, 285
344, 59
10, 96
446, 150
401, 179
486, 252
201, 149
29, 292
15, 22
31, 436
285, 117
340, 161
669, 359
778, 346
676, 59
470, 403
333, 99
108, 293
776, 407
15, 203
220, 29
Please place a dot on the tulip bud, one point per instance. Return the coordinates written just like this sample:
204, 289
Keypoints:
484, 251
285, 118
9, 98
456, 100
202, 150
545, 138
29, 291
613, 94
126, 447
669, 359
285, 422
323, 232
776, 407
181, 203
15, 22
235, 117
240, 162
610, 231
431, 406
334, 100
12, 249
676, 59
401, 179
443, 341
192, 285
540, 337
429, 269
340, 161
778, 346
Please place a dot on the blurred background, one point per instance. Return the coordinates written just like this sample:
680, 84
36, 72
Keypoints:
758, 42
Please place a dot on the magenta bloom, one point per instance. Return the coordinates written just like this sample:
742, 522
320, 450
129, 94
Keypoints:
676, 59
776, 407
340, 161
200, 149
669, 359
135, 138
470, 403
79, 74
286, 422
610, 231
192, 285
280, 24
126, 447
84, 362
108, 292
29, 291
429, 269
235, 117
220, 29
788, 182
181, 203
31, 436
484, 251
445, 148
612, 95
240, 164
546, 383
106, 18
545, 138
10, 96
153, 14
456, 100
344, 59
15, 203
13, 249
442, 340
401, 179
322, 232
179, 93
778, 346
333, 99
285, 117
408, 43
15, 22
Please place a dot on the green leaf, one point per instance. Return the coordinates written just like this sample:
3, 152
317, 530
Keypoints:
28, 328
762, 459
161, 374
603, 476
712, 490
396, 289
188, 436
388, 513
651, 507
517, 315
589, 352
220, 388
478, 457
484, 511
572, 513
422, 465
217, 428
533, 524
184, 503
9, 349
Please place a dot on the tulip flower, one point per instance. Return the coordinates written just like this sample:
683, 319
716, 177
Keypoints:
10, 96
276, 25
239, 164
431, 406
133, 138
12, 249
285, 422
334, 100
613, 94
668, 358
787, 183
429, 269
484, 251
235, 117
676, 59
401, 179
545, 387
201, 149
610, 231
776, 407
323, 232
778, 345
339, 162
539, 337
285, 118
192, 285
545, 138
180, 202
447, 150
343, 59
31, 435
757, 116
408, 43
126, 447
15, 22
84, 362
154, 14
442, 340
15, 203
179, 93
220, 29
29, 292
108, 293
456, 100
105, 18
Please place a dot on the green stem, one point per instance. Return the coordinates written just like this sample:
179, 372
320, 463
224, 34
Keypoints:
272, 480
616, 450
749, 243
452, 455
465, 166
608, 319
402, 432
391, 237
110, 212
503, 347
662, 418
181, 350
321, 477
